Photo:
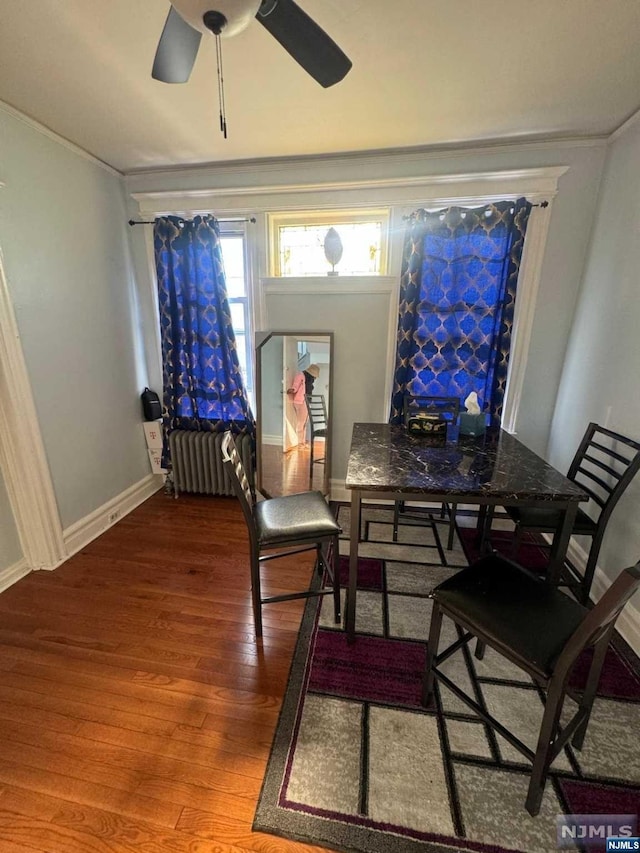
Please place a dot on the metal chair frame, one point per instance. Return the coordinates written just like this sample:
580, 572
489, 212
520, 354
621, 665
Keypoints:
318, 423
244, 493
588, 471
594, 631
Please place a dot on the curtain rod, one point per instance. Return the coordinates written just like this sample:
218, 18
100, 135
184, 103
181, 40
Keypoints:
251, 219
537, 204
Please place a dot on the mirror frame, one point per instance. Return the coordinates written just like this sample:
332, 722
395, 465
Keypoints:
261, 338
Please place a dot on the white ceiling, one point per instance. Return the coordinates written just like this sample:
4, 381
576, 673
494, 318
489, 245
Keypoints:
425, 73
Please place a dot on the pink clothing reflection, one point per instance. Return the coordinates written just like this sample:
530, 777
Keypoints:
297, 389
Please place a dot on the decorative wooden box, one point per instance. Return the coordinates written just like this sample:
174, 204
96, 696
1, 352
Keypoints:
429, 425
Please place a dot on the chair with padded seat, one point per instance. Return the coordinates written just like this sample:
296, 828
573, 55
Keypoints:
286, 522
317, 411
604, 465
448, 407
539, 629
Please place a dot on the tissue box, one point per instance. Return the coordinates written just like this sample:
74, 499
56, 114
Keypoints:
472, 424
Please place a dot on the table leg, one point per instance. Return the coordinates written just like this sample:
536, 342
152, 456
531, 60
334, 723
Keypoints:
483, 529
354, 536
560, 544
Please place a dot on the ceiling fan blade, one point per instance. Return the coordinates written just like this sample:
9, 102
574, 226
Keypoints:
177, 50
304, 40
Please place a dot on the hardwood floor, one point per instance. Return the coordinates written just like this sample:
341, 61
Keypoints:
136, 709
287, 473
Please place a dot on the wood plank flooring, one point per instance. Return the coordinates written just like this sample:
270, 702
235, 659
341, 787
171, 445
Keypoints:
136, 708
287, 473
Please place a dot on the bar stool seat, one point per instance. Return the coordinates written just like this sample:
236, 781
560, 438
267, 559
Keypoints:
539, 629
503, 602
294, 518
296, 523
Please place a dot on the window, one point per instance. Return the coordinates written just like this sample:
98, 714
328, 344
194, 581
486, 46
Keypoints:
457, 300
233, 247
297, 242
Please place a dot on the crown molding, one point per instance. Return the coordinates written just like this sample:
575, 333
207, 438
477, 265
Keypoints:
625, 126
374, 157
504, 176
56, 137
535, 184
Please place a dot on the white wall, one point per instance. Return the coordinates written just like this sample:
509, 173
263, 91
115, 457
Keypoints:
602, 368
359, 323
272, 390
66, 259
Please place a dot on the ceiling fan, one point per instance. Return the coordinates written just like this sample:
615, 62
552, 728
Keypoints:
300, 36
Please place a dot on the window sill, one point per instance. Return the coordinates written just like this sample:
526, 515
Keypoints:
330, 284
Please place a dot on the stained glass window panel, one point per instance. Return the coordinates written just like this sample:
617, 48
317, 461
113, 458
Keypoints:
302, 249
298, 242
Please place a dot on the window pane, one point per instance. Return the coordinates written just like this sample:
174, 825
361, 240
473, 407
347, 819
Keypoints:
241, 345
302, 249
235, 287
233, 257
237, 317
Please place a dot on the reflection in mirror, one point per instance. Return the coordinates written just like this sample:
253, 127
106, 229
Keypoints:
294, 378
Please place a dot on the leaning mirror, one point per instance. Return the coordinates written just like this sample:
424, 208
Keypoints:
293, 395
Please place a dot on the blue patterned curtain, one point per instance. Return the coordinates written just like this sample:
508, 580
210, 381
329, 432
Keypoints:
457, 299
203, 387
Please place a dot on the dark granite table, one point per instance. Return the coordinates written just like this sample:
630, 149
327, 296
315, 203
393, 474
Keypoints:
388, 463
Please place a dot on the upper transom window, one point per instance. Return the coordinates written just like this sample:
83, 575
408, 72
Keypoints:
298, 242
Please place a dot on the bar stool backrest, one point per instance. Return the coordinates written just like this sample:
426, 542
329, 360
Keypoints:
604, 465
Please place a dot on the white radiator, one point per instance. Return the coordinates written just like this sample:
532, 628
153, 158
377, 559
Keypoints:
196, 459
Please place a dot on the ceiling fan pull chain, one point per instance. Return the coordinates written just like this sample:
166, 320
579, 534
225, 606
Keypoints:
223, 111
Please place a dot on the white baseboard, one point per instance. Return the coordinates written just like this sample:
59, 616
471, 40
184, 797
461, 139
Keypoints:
272, 439
338, 492
80, 533
13, 573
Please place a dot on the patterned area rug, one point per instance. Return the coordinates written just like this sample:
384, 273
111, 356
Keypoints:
357, 764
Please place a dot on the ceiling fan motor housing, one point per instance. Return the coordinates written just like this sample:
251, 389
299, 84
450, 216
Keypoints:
231, 16
214, 21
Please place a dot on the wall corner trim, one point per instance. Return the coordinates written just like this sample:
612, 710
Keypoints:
60, 140
22, 454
